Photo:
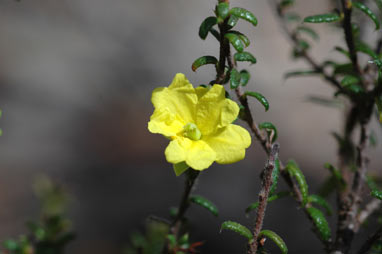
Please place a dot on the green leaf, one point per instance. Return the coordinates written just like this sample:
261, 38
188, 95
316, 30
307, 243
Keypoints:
275, 177
292, 17
328, 102
269, 127
222, 10
232, 21
300, 73
286, 3
238, 228
294, 171
366, 49
203, 61
206, 26
244, 77
215, 34
377, 194
260, 98
244, 14
245, 57
309, 31
235, 40
10, 245
346, 68
276, 239
368, 12
242, 37
234, 79
320, 201
203, 202
336, 174
180, 167
379, 4
274, 197
349, 80
323, 18
342, 51
320, 222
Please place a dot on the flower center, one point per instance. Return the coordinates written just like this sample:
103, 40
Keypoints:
191, 131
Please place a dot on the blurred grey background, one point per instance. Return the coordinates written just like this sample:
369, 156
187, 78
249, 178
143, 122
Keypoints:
75, 86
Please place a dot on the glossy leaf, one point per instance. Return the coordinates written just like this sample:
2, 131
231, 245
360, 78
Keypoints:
238, 228
242, 37
232, 21
244, 77
222, 10
349, 80
244, 14
203, 61
245, 57
235, 40
368, 12
323, 18
320, 201
377, 194
295, 172
274, 197
260, 98
300, 73
276, 239
320, 222
309, 31
206, 26
203, 202
234, 79
215, 33
269, 127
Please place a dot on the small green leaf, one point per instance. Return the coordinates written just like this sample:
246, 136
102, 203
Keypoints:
366, 49
222, 10
320, 222
276, 239
270, 128
242, 37
203, 61
308, 31
234, 79
180, 167
294, 171
235, 40
292, 17
203, 202
244, 77
286, 3
10, 245
342, 51
368, 12
377, 194
274, 197
336, 174
300, 73
346, 68
215, 33
232, 21
245, 57
244, 14
349, 80
379, 4
320, 201
260, 98
238, 228
206, 26
323, 18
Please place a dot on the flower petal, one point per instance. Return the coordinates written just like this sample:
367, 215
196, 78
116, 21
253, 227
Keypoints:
200, 155
229, 143
176, 151
179, 98
164, 122
214, 111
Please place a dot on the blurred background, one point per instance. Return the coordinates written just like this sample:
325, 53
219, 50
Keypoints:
75, 86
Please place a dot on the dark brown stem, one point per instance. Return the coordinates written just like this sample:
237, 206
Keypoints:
263, 196
369, 243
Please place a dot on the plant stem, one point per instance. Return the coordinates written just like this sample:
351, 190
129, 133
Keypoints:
263, 196
369, 243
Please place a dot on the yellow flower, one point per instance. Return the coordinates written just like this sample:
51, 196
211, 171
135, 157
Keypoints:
199, 124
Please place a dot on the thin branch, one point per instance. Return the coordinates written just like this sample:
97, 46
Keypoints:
370, 208
369, 243
263, 196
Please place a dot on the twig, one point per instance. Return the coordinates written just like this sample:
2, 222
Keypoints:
263, 196
369, 243
370, 208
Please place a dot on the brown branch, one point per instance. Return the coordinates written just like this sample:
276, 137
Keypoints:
263, 196
369, 243
370, 208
